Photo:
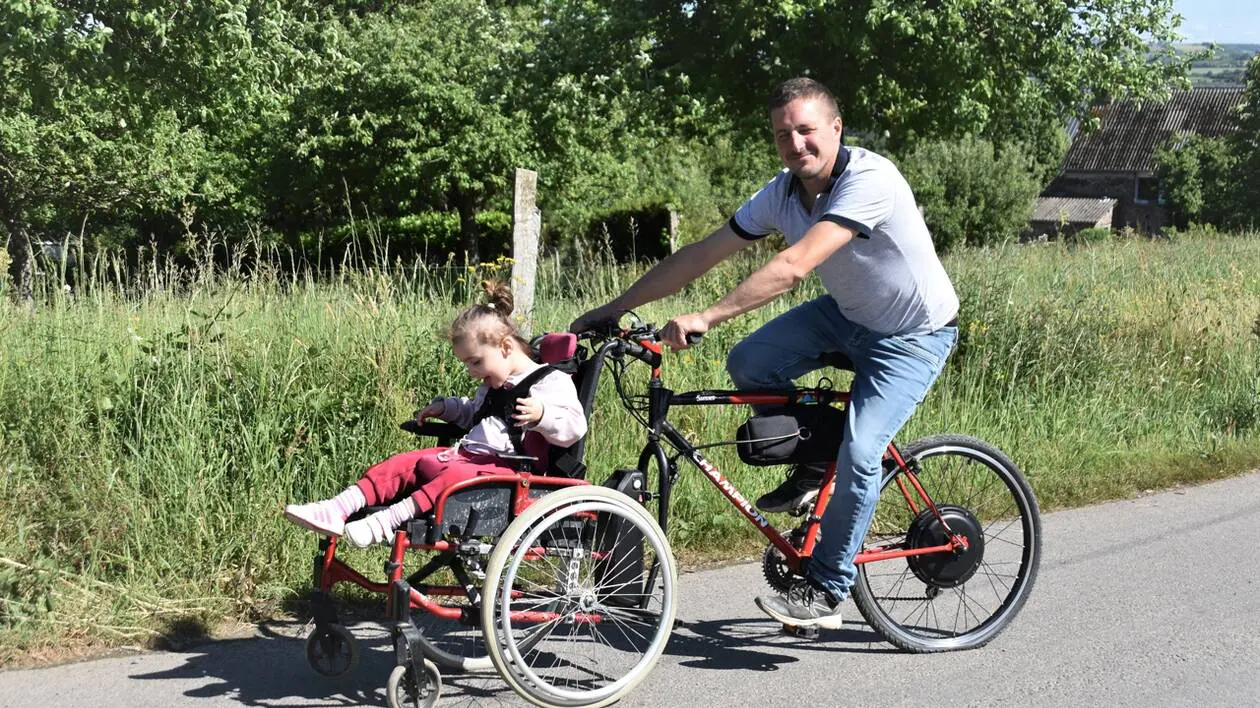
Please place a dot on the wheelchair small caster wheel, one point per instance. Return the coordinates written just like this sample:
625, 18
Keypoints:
802, 632
332, 651
403, 691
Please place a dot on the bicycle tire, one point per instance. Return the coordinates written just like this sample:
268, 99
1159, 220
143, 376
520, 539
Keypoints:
985, 494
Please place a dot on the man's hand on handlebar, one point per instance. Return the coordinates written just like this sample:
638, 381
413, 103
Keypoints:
597, 320
684, 331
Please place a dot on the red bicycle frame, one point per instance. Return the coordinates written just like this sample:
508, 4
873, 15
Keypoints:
908, 483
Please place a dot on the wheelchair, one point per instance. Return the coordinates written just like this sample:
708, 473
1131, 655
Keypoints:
435, 611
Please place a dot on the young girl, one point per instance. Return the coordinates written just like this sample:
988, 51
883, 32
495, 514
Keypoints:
486, 341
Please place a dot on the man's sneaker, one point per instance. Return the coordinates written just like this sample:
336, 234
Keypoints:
802, 482
806, 605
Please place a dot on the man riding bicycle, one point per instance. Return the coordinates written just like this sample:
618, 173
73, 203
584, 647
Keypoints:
849, 215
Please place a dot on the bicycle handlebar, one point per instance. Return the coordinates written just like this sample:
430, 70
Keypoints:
630, 341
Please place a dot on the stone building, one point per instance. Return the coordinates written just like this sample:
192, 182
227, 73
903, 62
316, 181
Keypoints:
1065, 216
1118, 160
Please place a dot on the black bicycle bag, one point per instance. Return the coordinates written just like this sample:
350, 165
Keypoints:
791, 435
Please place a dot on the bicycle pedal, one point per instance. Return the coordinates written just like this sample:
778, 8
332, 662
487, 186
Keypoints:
805, 505
802, 632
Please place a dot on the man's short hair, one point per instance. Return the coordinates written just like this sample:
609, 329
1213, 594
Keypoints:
803, 87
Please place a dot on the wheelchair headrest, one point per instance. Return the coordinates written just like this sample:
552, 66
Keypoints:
557, 347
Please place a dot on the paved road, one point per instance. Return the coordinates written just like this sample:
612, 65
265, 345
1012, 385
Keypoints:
1151, 601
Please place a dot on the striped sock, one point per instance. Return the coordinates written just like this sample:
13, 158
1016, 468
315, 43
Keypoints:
380, 526
349, 501
401, 512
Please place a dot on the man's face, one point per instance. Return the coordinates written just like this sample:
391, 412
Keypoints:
807, 136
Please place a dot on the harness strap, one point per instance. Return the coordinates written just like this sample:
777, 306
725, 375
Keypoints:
501, 403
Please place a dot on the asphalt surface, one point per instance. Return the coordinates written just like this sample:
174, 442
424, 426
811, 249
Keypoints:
1146, 602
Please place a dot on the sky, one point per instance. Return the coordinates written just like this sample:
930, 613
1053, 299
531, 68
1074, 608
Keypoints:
1222, 21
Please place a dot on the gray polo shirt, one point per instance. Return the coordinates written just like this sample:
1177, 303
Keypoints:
888, 278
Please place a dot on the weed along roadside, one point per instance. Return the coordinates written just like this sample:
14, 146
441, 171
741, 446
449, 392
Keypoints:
151, 432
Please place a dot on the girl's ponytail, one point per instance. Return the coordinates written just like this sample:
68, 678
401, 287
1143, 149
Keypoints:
489, 322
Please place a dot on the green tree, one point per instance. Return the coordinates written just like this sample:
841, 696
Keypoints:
1217, 180
616, 133
119, 107
970, 193
1012, 71
431, 107
1197, 179
418, 109
1246, 145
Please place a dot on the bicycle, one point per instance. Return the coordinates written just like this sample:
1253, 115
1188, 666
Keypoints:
579, 588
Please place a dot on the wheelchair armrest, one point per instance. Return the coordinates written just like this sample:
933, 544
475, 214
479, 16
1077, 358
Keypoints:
444, 432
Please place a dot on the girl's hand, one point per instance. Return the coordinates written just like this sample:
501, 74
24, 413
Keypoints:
528, 411
433, 410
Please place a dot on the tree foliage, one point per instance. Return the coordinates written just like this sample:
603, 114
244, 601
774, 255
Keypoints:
172, 116
1217, 180
418, 109
1009, 70
1246, 144
122, 107
970, 193
1196, 177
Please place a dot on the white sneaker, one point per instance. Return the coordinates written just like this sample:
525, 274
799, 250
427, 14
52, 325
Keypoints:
372, 530
320, 517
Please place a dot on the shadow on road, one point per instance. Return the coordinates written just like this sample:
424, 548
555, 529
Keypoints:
258, 672
760, 644
271, 670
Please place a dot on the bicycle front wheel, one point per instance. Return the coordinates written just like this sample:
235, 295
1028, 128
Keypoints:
950, 601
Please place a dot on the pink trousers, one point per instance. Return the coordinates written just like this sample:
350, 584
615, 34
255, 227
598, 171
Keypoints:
424, 474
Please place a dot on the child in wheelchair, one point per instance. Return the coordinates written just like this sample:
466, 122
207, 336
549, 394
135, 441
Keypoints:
520, 408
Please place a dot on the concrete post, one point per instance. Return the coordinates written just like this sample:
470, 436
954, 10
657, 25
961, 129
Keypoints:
526, 228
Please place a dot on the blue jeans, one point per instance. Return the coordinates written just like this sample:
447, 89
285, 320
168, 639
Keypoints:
894, 373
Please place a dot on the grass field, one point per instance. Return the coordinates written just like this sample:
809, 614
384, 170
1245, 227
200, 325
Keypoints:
152, 427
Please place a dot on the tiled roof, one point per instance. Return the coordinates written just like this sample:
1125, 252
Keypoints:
1130, 131
1072, 210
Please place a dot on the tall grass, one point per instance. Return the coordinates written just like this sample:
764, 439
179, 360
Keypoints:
154, 422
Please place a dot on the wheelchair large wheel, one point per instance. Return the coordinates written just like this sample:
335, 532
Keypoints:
951, 601
456, 644
579, 598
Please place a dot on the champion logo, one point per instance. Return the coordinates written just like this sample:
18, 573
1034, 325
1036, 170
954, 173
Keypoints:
731, 491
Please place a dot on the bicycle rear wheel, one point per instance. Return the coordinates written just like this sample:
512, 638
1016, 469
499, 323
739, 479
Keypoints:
572, 613
951, 601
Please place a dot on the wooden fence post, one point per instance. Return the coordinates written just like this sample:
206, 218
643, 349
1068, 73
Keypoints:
526, 227
673, 230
